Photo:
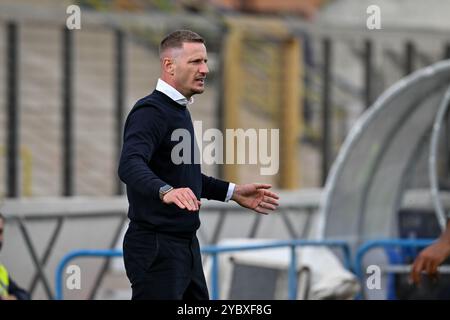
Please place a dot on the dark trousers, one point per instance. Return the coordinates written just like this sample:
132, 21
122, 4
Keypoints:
163, 266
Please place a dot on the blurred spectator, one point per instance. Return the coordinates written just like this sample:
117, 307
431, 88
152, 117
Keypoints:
9, 290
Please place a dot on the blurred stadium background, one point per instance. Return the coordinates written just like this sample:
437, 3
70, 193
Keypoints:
308, 67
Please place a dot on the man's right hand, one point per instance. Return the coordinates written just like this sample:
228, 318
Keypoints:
184, 198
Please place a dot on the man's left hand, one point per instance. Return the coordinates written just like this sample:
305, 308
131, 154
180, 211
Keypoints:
256, 196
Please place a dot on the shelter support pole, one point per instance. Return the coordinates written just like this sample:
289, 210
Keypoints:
232, 85
290, 119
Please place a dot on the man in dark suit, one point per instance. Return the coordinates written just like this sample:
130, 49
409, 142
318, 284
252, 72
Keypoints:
161, 250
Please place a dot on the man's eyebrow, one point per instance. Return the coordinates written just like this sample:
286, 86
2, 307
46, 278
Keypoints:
198, 58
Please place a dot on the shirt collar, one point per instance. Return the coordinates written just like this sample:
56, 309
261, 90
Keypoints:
172, 93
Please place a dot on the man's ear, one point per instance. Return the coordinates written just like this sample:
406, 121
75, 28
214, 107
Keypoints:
169, 66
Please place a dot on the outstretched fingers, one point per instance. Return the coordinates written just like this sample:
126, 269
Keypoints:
263, 186
261, 210
271, 200
271, 194
267, 205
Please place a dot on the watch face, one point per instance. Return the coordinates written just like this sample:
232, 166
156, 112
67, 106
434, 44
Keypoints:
165, 188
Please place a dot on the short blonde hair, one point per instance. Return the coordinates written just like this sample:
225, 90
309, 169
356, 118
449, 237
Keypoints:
177, 38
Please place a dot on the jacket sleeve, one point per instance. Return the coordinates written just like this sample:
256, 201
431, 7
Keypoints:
214, 189
144, 130
18, 292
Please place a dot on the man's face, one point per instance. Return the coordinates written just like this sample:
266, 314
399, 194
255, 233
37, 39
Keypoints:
190, 69
1, 232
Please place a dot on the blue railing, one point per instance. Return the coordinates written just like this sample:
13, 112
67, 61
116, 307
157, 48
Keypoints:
292, 283
214, 251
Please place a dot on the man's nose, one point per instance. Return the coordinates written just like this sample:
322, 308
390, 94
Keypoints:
204, 68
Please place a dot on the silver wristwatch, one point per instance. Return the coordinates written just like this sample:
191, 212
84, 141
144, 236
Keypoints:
164, 189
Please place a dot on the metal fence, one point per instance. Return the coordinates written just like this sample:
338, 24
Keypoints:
342, 71
107, 218
395, 265
214, 251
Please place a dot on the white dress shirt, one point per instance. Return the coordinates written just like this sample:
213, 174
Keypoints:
176, 96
